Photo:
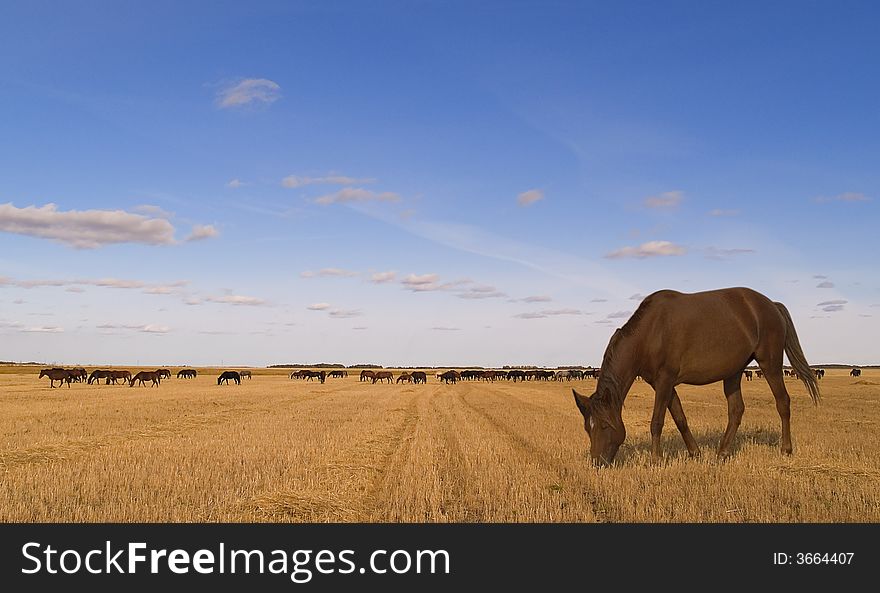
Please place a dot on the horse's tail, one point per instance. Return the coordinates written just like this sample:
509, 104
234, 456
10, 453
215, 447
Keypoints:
796, 355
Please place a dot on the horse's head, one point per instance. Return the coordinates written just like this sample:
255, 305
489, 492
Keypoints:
43, 373
606, 431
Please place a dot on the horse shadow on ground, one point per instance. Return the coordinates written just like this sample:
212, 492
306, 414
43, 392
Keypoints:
672, 445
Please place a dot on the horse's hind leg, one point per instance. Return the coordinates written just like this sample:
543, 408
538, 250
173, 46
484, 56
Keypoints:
783, 406
678, 416
735, 409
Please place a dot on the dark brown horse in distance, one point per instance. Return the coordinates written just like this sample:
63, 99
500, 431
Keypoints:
163, 373
142, 377
855, 373
419, 377
244, 374
227, 375
695, 339
186, 374
59, 375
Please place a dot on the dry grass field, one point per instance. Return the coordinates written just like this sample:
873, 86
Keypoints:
281, 450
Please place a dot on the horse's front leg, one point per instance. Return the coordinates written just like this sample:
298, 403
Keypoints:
678, 416
663, 392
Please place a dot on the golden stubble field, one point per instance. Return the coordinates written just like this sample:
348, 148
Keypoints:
281, 450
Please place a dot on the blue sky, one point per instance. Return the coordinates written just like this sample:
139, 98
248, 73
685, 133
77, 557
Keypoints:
441, 183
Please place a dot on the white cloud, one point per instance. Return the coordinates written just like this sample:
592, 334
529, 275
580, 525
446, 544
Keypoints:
529, 197
151, 210
87, 229
530, 316
537, 299
345, 314
548, 313
328, 273
247, 91
44, 329
234, 183
481, 292
844, 197
155, 329
599, 301
669, 199
75, 289
825, 284
319, 307
649, 249
202, 231
357, 194
236, 300
619, 315
293, 181
422, 282
637, 297
819, 276
382, 277
445, 328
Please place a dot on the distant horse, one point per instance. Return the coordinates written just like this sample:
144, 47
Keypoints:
516, 375
759, 373
405, 378
60, 375
591, 373
449, 376
787, 373
78, 374
748, 375
380, 375
338, 373
98, 374
563, 375
320, 375
142, 377
245, 374
855, 373
163, 373
419, 377
820, 373
368, 375
695, 339
296, 374
227, 375
186, 374
116, 375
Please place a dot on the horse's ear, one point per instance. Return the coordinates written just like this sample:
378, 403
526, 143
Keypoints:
583, 403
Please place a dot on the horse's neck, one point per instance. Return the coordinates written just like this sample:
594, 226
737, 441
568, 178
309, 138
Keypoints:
619, 368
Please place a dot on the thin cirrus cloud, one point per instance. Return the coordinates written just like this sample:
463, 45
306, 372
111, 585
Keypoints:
235, 299
722, 253
548, 313
250, 91
429, 283
383, 277
328, 273
318, 307
844, 197
649, 249
665, 201
43, 329
527, 198
356, 194
481, 292
834, 305
721, 212
88, 229
294, 181
77, 284
149, 328
345, 313
825, 284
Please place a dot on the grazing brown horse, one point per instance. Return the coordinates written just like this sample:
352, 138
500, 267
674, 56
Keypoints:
405, 378
419, 377
368, 376
695, 339
380, 375
449, 376
186, 374
244, 374
98, 374
163, 373
59, 375
855, 373
748, 375
225, 376
142, 377
115, 375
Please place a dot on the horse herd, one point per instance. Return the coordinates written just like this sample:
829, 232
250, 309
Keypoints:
79, 374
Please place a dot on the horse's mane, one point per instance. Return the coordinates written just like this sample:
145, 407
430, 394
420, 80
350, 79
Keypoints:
609, 391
